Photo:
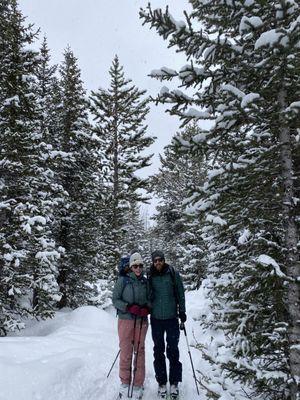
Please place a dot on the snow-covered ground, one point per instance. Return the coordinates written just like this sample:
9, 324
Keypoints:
68, 357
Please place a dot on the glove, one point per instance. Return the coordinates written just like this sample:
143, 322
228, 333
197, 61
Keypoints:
134, 309
182, 316
144, 311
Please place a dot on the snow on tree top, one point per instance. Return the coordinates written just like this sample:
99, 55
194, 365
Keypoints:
162, 72
215, 219
179, 24
232, 89
271, 38
192, 112
294, 105
244, 236
249, 98
200, 137
267, 260
164, 90
247, 24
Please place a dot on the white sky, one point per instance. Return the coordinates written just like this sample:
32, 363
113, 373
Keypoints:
96, 30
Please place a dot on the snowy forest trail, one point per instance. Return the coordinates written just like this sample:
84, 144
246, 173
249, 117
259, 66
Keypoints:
68, 358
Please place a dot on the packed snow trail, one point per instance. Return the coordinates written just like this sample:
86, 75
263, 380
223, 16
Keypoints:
68, 358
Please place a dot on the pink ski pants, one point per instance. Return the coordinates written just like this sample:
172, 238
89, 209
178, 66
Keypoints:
126, 332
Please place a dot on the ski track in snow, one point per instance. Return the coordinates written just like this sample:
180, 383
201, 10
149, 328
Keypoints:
68, 358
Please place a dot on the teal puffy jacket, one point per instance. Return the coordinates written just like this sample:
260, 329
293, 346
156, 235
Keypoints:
166, 293
130, 290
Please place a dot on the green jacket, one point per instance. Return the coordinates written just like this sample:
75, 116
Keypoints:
166, 293
130, 290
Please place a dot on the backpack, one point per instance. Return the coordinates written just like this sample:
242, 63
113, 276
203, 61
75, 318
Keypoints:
123, 264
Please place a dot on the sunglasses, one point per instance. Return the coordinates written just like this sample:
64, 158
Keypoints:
137, 266
156, 260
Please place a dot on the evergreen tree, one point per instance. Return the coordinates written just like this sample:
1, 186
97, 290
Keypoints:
45, 74
119, 114
27, 245
78, 171
244, 66
47, 110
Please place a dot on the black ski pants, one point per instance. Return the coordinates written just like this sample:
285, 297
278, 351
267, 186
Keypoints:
171, 327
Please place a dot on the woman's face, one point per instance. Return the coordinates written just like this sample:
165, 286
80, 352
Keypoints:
137, 269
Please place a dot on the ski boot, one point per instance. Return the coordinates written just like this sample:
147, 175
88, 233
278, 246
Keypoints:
174, 392
137, 393
123, 391
162, 392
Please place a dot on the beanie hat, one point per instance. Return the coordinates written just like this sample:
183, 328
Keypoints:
156, 254
135, 258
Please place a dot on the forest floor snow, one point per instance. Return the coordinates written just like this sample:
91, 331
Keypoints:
69, 356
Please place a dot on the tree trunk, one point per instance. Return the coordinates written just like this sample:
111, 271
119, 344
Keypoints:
292, 256
115, 161
63, 272
35, 297
116, 176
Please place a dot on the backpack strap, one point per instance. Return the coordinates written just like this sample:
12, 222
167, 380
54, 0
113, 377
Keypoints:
127, 280
173, 276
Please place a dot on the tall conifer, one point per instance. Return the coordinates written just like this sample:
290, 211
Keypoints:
244, 68
119, 113
78, 171
27, 245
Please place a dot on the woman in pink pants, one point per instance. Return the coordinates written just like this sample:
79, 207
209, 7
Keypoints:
130, 297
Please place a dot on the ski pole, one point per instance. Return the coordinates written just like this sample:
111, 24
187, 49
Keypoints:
113, 363
132, 342
182, 327
136, 358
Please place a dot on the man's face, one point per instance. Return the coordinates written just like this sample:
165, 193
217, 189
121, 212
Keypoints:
158, 263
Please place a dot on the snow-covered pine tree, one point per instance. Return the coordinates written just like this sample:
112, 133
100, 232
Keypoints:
47, 114
78, 171
27, 245
119, 113
45, 73
180, 173
244, 58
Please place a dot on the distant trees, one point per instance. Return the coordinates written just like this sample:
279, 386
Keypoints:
180, 174
242, 76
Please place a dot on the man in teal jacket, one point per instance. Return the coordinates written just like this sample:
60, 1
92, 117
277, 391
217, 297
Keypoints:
168, 302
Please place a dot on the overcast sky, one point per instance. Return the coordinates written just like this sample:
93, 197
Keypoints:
96, 30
